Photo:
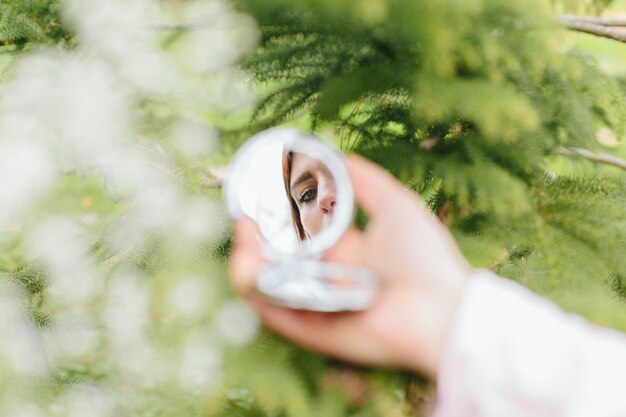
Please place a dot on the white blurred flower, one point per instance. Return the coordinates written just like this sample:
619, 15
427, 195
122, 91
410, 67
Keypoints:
190, 297
126, 311
231, 90
140, 364
81, 111
125, 236
200, 364
158, 206
75, 287
118, 31
194, 139
195, 11
26, 174
220, 36
59, 243
21, 345
126, 171
70, 101
21, 409
89, 401
70, 339
203, 219
206, 50
237, 323
126, 316
94, 112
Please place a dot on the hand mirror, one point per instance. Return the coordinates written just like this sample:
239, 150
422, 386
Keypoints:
298, 192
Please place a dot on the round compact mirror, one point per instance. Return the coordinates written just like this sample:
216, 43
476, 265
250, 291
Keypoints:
298, 192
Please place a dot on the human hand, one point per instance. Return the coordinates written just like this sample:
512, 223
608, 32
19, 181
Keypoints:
422, 278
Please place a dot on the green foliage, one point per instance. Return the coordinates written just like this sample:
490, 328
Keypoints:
29, 23
588, 7
464, 101
467, 102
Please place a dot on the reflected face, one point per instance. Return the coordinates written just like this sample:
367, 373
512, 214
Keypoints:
314, 191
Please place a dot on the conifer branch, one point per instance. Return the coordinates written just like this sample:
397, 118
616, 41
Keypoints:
589, 25
600, 158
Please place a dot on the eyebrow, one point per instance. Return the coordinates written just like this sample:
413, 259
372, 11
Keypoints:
303, 177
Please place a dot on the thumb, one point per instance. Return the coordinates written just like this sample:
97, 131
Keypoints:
374, 188
246, 257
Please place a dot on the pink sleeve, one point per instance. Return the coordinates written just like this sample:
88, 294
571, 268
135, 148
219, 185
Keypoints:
511, 353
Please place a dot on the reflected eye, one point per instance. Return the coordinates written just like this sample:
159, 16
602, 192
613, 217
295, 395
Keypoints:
308, 195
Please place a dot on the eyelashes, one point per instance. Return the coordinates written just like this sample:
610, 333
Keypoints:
307, 196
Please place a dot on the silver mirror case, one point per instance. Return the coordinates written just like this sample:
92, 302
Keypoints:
301, 280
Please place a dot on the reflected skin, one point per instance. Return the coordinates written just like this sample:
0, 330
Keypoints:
314, 191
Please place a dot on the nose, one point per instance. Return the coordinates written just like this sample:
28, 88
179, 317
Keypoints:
327, 200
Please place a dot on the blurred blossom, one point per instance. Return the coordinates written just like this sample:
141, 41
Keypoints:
128, 35
22, 347
87, 400
157, 206
92, 101
26, 174
67, 339
74, 288
93, 20
220, 36
59, 243
92, 111
196, 11
189, 297
194, 139
72, 99
18, 126
117, 30
231, 90
128, 170
126, 317
207, 50
125, 236
237, 323
204, 219
200, 364
15, 409
140, 363
126, 312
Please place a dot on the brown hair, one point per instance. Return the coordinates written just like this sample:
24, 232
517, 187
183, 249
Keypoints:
301, 234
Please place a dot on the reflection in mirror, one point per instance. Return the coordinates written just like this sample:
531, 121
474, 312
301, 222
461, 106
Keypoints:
290, 195
311, 191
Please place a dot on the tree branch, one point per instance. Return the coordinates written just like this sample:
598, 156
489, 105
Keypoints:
602, 21
600, 158
213, 183
585, 25
599, 26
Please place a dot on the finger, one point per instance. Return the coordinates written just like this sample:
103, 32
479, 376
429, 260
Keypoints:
376, 191
374, 188
326, 333
246, 257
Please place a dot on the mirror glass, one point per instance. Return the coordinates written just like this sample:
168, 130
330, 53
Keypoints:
295, 188
298, 192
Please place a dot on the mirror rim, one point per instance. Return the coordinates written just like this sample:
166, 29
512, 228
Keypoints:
312, 146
